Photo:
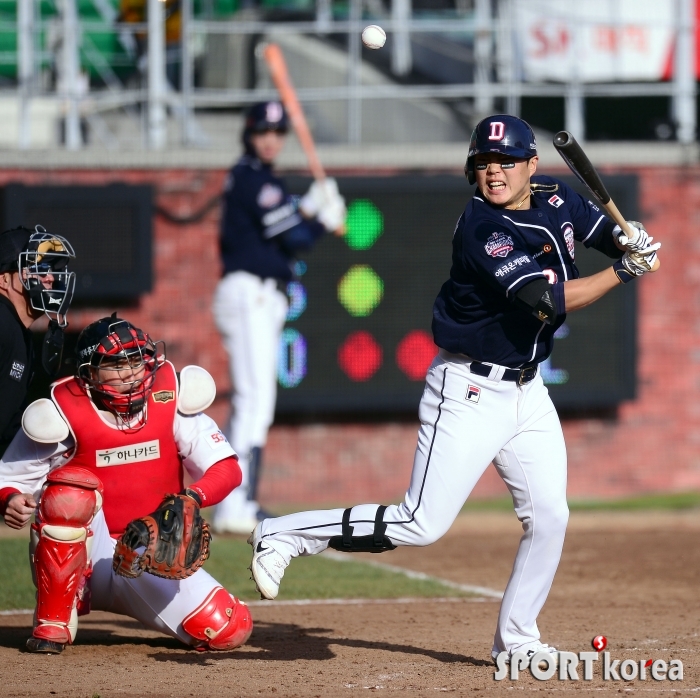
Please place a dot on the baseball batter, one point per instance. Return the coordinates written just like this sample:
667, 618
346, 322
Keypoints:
262, 230
107, 447
512, 281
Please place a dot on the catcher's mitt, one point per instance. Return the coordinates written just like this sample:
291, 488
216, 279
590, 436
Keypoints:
175, 537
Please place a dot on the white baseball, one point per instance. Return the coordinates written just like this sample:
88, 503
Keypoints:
373, 36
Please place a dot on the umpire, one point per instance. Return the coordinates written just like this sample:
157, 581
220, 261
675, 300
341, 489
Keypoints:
34, 281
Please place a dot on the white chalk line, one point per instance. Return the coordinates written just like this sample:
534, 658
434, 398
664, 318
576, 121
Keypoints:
482, 593
328, 602
411, 574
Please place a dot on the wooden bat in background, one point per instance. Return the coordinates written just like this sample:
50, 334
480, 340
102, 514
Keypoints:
280, 76
581, 166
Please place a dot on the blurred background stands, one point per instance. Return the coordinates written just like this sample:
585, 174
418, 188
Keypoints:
83, 74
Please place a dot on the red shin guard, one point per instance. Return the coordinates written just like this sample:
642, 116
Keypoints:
68, 503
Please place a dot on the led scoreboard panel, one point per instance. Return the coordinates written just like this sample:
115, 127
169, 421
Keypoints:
358, 337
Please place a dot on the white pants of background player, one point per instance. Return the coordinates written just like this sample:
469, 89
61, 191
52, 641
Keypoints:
160, 604
516, 427
250, 313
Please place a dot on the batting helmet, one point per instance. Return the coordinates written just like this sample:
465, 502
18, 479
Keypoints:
264, 116
117, 363
500, 133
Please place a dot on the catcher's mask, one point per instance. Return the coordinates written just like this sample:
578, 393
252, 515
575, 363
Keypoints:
47, 255
117, 363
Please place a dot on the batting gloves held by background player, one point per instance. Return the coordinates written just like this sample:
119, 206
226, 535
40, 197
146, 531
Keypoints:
267, 566
638, 242
324, 202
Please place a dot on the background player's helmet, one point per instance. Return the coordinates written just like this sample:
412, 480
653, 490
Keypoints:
500, 133
35, 255
262, 117
111, 354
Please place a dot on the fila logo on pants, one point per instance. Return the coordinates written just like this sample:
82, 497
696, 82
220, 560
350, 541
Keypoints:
473, 393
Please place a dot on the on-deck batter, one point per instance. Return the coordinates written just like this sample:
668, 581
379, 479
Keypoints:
512, 280
262, 230
107, 447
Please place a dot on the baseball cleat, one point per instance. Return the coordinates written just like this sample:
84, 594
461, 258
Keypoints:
36, 644
538, 647
267, 566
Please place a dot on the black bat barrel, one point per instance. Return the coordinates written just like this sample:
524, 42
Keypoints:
580, 165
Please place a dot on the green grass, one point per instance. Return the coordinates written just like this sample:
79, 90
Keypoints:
317, 577
306, 578
669, 502
16, 588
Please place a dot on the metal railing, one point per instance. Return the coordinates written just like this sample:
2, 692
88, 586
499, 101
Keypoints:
489, 26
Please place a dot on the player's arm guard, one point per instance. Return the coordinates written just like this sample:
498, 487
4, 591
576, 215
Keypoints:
537, 298
175, 537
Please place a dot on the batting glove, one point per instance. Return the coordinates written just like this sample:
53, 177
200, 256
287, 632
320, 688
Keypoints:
639, 241
638, 263
332, 216
321, 193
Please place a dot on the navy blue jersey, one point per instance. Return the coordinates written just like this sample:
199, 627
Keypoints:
261, 228
495, 252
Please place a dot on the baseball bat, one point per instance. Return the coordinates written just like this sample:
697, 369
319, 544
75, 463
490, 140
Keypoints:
280, 76
578, 162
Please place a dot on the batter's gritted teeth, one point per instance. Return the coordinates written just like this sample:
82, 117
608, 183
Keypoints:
496, 185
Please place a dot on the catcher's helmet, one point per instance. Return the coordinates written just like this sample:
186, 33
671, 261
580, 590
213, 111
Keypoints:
500, 133
264, 116
117, 363
36, 255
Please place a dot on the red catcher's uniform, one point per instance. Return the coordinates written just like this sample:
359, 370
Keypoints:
137, 468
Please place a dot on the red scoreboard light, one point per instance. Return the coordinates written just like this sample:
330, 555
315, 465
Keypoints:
360, 356
415, 353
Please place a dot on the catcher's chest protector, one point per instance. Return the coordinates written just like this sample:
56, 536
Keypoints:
137, 468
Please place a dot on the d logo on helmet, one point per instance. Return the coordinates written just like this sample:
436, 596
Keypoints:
498, 129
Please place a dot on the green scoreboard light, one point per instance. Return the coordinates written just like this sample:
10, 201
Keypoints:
358, 336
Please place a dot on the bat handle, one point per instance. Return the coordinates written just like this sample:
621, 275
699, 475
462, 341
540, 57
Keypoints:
620, 220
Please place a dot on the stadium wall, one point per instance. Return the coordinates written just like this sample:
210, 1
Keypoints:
652, 444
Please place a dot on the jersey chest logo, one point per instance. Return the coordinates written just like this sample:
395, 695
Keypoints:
499, 245
136, 453
555, 200
269, 196
569, 238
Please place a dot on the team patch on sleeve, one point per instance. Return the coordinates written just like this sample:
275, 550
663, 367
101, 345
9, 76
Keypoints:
499, 245
216, 439
569, 237
473, 393
511, 266
17, 370
555, 200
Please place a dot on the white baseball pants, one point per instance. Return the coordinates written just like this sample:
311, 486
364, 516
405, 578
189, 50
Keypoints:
250, 313
514, 426
160, 604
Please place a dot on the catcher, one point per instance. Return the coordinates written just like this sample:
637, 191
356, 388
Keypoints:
116, 465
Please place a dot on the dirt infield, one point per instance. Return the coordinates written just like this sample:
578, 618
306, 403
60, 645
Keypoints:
633, 577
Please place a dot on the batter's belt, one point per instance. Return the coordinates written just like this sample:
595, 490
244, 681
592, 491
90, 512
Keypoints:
521, 376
